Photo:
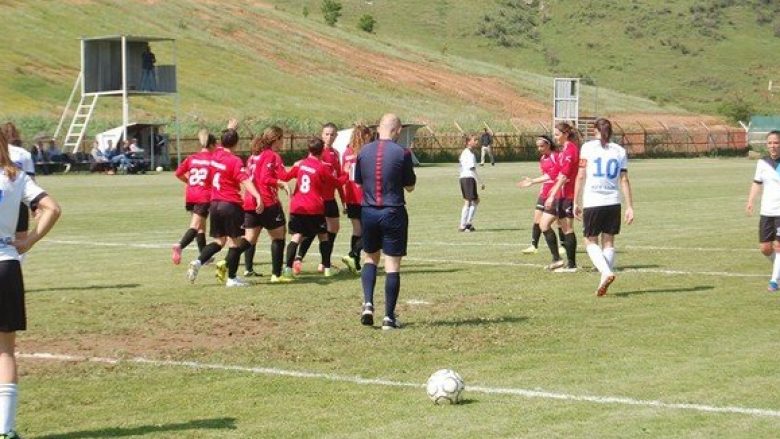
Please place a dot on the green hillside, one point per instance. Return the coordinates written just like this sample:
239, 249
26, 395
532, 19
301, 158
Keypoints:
433, 62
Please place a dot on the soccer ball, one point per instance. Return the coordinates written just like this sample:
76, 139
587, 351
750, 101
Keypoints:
159, 169
445, 386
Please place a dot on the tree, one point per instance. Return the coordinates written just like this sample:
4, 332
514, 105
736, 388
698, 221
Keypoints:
366, 23
331, 11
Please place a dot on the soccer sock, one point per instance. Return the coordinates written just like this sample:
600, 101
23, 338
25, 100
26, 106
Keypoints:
325, 251
8, 398
570, 244
187, 238
331, 244
368, 280
292, 249
776, 269
597, 257
208, 252
303, 247
771, 257
201, 240
249, 257
536, 233
552, 244
472, 212
355, 244
609, 255
234, 256
464, 214
392, 287
561, 236
277, 255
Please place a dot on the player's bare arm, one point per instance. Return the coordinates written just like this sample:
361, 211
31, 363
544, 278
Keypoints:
628, 198
755, 189
49, 213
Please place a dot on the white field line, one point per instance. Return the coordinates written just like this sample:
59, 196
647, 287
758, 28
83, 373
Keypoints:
439, 261
619, 400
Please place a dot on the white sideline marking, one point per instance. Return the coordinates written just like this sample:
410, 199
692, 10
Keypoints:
632, 247
417, 302
442, 261
382, 382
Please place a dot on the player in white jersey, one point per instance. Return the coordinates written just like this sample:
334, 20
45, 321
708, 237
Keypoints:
15, 187
468, 184
603, 175
24, 161
767, 177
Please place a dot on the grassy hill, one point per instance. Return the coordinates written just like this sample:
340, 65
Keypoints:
433, 62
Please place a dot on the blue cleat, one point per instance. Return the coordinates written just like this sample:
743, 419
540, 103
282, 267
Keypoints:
772, 288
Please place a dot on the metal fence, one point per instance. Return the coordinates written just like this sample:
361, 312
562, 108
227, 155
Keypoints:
433, 147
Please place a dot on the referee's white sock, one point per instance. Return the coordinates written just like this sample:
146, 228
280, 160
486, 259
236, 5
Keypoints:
8, 395
771, 257
598, 259
776, 269
609, 255
464, 214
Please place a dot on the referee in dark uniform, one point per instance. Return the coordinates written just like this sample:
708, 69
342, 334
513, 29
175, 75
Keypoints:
384, 169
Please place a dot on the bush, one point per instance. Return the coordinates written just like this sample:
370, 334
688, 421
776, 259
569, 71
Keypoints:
737, 109
366, 23
305, 11
331, 11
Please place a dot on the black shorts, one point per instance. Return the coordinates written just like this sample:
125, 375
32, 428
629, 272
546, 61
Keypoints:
768, 228
200, 209
23, 223
551, 211
271, 218
564, 208
226, 220
12, 313
468, 188
331, 209
386, 229
307, 225
601, 219
353, 211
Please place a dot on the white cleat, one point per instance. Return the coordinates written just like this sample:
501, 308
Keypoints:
192, 271
236, 282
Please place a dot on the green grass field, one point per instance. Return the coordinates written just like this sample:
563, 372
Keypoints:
688, 321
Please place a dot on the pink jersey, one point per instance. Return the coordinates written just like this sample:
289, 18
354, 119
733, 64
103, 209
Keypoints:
312, 177
569, 162
549, 165
330, 157
196, 168
353, 193
266, 170
228, 172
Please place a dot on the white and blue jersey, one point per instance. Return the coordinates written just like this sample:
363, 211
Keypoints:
768, 175
22, 159
603, 165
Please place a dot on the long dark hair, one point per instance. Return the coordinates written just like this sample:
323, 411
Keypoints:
6, 164
360, 136
604, 127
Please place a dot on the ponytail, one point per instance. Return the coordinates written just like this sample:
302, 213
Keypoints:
604, 127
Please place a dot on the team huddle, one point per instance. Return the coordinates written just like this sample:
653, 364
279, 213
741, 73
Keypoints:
241, 199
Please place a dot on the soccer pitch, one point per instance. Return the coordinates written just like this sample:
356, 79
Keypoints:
685, 345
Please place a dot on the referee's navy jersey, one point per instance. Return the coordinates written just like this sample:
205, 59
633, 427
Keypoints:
383, 169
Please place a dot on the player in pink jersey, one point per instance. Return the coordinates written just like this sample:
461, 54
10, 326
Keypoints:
561, 197
550, 168
268, 175
353, 195
307, 205
227, 215
194, 171
329, 157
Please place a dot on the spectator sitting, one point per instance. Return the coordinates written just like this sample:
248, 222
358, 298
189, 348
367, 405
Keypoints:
37, 152
56, 155
121, 160
100, 163
134, 150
